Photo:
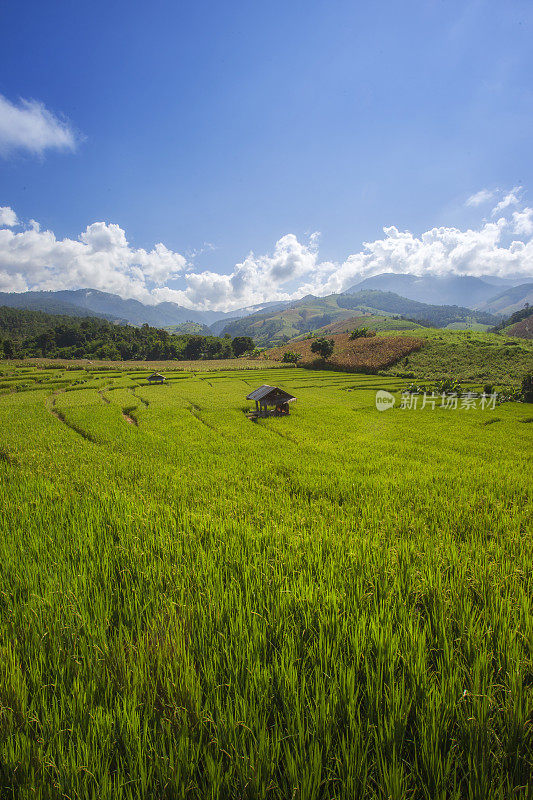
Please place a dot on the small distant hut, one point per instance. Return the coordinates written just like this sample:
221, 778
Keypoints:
156, 377
270, 397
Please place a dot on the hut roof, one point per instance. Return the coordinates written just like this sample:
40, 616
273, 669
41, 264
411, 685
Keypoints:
266, 392
156, 375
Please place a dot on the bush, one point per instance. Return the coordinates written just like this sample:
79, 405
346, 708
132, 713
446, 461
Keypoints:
324, 347
359, 333
290, 357
448, 386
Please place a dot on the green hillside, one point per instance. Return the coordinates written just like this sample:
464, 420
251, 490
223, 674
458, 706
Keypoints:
24, 323
310, 313
467, 355
523, 328
374, 322
304, 315
469, 324
520, 324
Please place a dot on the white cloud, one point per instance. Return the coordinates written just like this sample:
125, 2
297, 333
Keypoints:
512, 198
523, 222
31, 126
8, 218
102, 258
480, 197
257, 279
489, 250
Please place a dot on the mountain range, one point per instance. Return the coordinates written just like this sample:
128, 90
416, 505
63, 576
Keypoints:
451, 290
488, 294
91, 302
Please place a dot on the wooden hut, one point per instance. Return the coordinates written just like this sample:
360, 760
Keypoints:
270, 397
156, 377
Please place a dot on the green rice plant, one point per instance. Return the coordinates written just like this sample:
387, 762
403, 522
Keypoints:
334, 604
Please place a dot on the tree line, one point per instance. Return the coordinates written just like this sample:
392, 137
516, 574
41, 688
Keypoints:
25, 334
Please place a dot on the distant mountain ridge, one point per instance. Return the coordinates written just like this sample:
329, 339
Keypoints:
51, 303
488, 294
510, 300
460, 290
84, 302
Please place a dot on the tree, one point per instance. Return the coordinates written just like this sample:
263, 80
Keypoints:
527, 388
214, 348
324, 347
9, 350
242, 344
290, 358
46, 341
195, 348
108, 352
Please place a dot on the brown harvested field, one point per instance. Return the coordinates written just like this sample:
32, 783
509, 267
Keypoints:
213, 365
360, 355
523, 329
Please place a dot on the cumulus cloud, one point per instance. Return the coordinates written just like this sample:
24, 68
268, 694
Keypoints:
492, 249
102, 258
483, 196
31, 126
257, 279
523, 222
8, 218
438, 251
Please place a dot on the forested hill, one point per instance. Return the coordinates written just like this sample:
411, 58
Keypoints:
25, 333
437, 316
25, 323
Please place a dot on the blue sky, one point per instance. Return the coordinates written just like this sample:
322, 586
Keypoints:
218, 129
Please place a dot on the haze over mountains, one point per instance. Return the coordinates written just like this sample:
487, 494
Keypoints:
450, 290
493, 295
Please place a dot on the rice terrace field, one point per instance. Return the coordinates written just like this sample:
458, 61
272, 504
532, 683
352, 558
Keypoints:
334, 604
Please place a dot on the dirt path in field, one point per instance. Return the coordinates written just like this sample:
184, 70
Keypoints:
127, 413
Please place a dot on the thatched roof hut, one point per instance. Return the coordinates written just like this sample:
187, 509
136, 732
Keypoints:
156, 377
267, 396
